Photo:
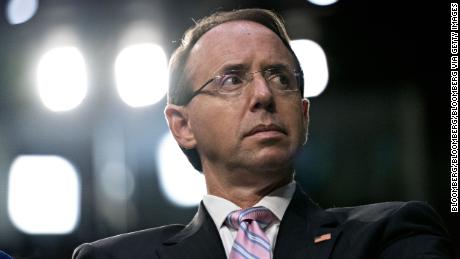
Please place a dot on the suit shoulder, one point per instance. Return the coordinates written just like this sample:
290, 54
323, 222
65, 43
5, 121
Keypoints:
386, 210
151, 235
392, 218
140, 243
395, 229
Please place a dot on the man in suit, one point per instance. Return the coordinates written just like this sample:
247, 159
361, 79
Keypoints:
236, 108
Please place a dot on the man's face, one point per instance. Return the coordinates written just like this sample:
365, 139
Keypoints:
261, 129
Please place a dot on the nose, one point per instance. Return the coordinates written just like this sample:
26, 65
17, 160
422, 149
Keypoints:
261, 95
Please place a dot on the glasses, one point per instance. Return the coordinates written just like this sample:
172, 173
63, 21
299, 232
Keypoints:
232, 82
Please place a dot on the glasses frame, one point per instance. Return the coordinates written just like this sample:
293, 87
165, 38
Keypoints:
298, 74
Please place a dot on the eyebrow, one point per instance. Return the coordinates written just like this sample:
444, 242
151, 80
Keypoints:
244, 67
232, 67
278, 66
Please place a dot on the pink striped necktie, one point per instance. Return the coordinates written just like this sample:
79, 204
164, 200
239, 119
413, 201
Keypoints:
251, 242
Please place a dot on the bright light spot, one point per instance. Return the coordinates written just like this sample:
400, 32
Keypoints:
314, 65
322, 2
117, 182
43, 195
62, 79
141, 73
20, 11
180, 182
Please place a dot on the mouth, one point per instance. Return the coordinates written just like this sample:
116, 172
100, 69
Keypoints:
266, 128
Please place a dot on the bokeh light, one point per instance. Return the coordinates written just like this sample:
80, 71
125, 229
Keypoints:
20, 11
141, 74
43, 194
116, 181
179, 181
62, 78
322, 2
313, 61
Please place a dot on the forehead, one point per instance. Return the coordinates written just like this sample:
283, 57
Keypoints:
236, 43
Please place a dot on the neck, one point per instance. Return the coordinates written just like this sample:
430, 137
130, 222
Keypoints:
245, 188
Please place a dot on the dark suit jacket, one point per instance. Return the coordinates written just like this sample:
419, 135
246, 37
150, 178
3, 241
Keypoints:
384, 230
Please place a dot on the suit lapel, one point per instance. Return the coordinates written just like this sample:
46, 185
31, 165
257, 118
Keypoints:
199, 239
326, 232
301, 224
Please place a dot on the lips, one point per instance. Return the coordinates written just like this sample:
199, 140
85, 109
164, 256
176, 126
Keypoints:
264, 128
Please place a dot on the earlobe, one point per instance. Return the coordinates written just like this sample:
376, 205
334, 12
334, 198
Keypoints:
305, 116
306, 110
179, 125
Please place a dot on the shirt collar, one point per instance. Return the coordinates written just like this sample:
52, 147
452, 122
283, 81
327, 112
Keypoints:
277, 202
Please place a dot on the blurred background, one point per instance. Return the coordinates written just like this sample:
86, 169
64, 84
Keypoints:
85, 152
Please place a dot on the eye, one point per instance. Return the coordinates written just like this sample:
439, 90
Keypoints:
230, 82
280, 78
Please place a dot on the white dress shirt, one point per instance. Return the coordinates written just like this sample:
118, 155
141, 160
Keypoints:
277, 202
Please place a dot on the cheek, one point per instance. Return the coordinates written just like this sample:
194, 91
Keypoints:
214, 123
295, 119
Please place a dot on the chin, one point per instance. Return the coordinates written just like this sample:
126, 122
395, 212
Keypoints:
273, 161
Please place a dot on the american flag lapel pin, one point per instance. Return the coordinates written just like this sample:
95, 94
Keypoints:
322, 238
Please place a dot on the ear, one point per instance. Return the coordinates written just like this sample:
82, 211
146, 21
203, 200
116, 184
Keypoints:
179, 125
305, 111
305, 116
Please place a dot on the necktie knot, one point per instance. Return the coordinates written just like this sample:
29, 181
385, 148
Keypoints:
251, 240
263, 216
